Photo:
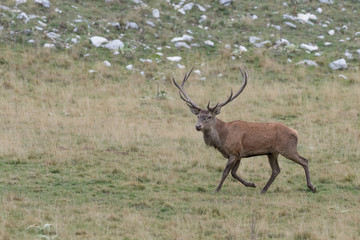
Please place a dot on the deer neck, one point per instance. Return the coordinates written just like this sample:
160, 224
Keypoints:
215, 135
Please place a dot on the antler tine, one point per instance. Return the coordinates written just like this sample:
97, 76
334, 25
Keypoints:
232, 97
183, 94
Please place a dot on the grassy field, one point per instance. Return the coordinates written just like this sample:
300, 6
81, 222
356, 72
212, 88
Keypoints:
114, 154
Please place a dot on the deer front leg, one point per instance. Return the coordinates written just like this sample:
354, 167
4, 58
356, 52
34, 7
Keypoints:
237, 177
229, 165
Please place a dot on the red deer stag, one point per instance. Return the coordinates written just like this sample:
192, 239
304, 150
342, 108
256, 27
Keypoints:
238, 139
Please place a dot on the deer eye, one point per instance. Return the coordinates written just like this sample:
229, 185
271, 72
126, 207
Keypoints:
209, 117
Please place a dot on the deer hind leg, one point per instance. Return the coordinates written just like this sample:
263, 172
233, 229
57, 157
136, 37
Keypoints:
233, 173
275, 168
304, 163
229, 165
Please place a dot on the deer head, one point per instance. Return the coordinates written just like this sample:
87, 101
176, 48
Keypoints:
207, 117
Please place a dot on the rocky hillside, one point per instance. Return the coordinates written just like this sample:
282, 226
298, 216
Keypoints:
133, 33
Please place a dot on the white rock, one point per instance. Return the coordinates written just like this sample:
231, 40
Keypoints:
290, 24
129, 67
145, 60
309, 47
18, 2
92, 71
30, 41
156, 13
23, 16
338, 64
159, 54
74, 40
181, 44
308, 62
254, 17
44, 3
319, 10
182, 11
348, 55
326, 1
188, 6
150, 23
97, 41
203, 18
114, 45
253, 39
243, 49
107, 63
174, 59
58, 11
331, 32
317, 54
306, 17
201, 8
209, 43
132, 25
52, 35
282, 42
358, 51
343, 76
49, 45
226, 3
197, 72
180, 66
327, 43
357, 34
262, 44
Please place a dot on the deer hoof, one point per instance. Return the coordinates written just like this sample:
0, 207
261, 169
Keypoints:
251, 185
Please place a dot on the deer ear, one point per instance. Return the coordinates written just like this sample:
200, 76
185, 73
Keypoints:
194, 110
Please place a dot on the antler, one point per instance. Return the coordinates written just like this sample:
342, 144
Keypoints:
183, 94
231, 97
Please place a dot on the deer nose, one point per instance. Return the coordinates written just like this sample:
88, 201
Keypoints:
198, 127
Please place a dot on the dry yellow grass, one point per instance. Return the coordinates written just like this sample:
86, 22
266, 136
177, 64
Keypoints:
90, 155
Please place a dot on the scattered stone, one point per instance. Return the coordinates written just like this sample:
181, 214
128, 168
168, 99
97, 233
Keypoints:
357, 34
253, 39
309, 47
197, 72
92, 71
290, 24
338, 64
209, 43
262, 44
308, 63
49, 45
201, 8
52, 35
182, 44
174, 59
348, 55
132, 25
326, 1
107, 63
145, 60
156, 13
150, 23
114, 45
306, 17
19, 2
114, 24
327, 43
343, 76
180, 66
184, 37
44, 3
97, 41
129, 67
319, 10
331, 32
188, 6
226, 3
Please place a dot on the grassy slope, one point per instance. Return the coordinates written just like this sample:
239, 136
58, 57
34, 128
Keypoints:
99, 156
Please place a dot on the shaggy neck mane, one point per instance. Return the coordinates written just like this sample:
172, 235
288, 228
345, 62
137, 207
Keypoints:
215, 136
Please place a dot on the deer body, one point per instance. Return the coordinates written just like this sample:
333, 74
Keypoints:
239, 139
